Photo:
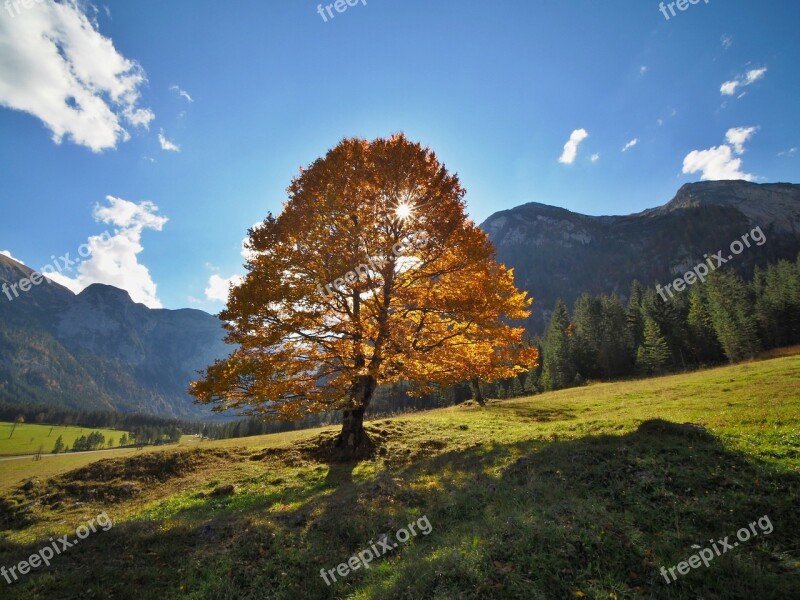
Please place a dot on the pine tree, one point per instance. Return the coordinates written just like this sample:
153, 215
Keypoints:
559, 368
587, 317
59, 445
634, 321
653, 354
731, 307
703, 338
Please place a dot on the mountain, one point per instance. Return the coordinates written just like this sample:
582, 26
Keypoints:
99, 350
556, 253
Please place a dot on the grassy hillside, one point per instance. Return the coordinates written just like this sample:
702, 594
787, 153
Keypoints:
580, 493
27, 437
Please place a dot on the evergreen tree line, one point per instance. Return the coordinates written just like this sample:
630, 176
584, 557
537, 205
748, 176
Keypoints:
53, 415
723, 319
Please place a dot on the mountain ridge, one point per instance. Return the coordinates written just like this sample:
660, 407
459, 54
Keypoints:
557, 253
99, 350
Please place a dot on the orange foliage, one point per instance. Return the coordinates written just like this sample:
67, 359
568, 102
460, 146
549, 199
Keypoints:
432, 314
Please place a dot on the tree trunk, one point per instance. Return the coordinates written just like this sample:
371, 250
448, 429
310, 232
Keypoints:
353, 436
352, 428
477, 395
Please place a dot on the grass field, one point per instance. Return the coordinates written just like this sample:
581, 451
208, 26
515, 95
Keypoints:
583, 493
28, 437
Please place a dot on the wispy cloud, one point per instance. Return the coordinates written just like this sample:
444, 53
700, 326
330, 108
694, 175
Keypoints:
182, 93
729, 88
719, 162
166, 144
789, 152
594, 157
571, 147
726, 41
630, 144
59, 68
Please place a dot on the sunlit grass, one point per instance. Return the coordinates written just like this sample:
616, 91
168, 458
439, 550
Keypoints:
583, 491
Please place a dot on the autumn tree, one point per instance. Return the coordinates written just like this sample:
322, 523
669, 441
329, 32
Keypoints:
371, 274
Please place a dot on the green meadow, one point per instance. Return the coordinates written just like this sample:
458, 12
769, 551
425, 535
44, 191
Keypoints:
581, 493
27, 438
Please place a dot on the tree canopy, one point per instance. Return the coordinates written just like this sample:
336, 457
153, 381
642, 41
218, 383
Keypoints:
372, 273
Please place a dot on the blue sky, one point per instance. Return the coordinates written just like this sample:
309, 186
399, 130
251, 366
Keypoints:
496, 89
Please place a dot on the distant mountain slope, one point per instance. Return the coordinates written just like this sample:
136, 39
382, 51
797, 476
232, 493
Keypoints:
556, 253
100, 350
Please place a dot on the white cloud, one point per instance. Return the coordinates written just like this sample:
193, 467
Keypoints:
754, 75
718, 162
630, 144
738, 136
181, 93
729, 88
789, 152
642, 69
595, 157
56, 66
113, 259
166, 144
11, 256
727, 41
571, 147
218, 287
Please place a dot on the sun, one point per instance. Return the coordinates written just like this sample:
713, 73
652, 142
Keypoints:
403, 211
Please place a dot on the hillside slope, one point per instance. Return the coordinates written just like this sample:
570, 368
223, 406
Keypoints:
560, 254
98, 350
580, 493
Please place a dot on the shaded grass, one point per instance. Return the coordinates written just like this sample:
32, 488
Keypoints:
585, 491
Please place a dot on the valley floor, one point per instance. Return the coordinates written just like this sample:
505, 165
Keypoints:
582, 493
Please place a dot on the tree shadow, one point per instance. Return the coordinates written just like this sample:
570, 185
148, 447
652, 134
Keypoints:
596, 515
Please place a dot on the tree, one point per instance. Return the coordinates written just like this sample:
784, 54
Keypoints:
704, 343
731, 307
123, 440
59, 445
18, 421
559, 366
653, 354
371, 274
634, 321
